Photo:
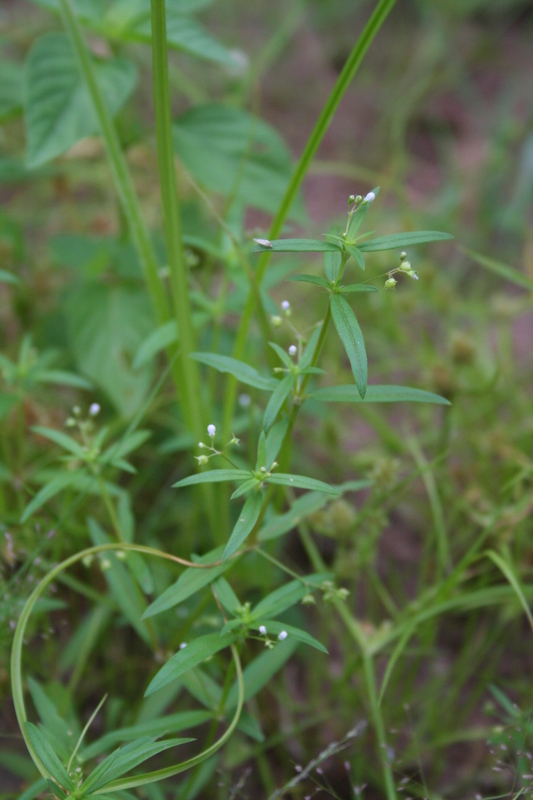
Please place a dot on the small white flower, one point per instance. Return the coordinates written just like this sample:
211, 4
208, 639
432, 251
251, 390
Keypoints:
94, 409
283, 635
211, 430
285, 305
262, 630
293, 350
244, 400
183, 645
370, 197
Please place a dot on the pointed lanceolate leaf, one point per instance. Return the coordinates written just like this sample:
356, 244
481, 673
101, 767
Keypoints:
310, 348
279, 395
47, 756
274, 628
60, 438
214, 476
357, 287
351, 336
245, 523
274, 441
297, 246
287, 596
187, 658
357, 255
332, 265
377, 394
244, 488
357, 218
188, 583
301, 508
125, 759
243, 372
301, 482
397, 240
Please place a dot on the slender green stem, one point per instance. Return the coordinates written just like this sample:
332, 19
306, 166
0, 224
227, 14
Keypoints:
345, 78
122, 178
110, 508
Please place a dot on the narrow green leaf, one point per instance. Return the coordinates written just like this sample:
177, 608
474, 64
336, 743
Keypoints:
377, 394
188, 583
357, 218
397, 240
8, 277
261, 451
501, 269
332, 264
260, 671
297, 246
287, 596
310, 348
351, 336
48, 757
357, 287
60, 438
126, 445
274, 441
302, 482
54, 724
279, 395
187, 658
283, 356
125, 759
245, 523
243, 372
11, 91
356, 254
214, 476
226, 595
510, 576
274, 628
311, 279
47, 492
244, 488
59, 376
301, 508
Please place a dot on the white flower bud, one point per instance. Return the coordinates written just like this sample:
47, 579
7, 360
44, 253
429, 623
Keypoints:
370, 197
244, 400
202, 460
211, 430
94, 409
262, 630
285, 305
283, 635
183, 645
293, 350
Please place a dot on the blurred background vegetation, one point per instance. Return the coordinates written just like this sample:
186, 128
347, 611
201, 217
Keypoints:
440, 116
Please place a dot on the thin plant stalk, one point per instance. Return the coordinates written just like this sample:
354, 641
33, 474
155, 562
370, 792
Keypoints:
313, 143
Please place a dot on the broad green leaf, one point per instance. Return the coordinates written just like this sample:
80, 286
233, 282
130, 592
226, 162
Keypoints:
274, 628
301, 508
162, 726
357, 255
48, 757
155, 342
298, 246
47, 492
188, 583
214, 476
351, 336
260, 671
278, 397
274, 441
245, 523
332, 264
122, 585
301, 482
377, 394
311, 279
357, 287
59, 110
106, 324
60, 438
11, 89
226, 595
287, 596
501, 269
234, 153
125, 759
397, 240
190, 656
243, 372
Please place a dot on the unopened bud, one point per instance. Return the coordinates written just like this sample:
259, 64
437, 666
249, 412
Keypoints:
403, 255
370, 197
211, 430
276, 320
285, 305
262, 630
390, 283
351, 199
293, 350
94, 409
202, 460
283, 635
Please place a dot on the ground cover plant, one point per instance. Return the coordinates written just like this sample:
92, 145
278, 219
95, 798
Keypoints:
266, 447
